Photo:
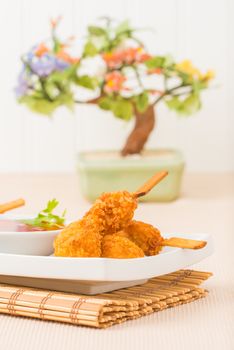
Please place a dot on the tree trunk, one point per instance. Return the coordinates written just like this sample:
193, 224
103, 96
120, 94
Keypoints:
144, 124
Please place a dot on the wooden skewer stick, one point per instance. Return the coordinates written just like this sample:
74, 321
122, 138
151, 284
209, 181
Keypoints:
153, 181
183, 243
174, 241
11, 205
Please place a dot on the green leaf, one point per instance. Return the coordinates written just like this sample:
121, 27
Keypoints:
57, 45
90, 49
187, 106
122, 109
40, 105
187, 79
51, 205
51, 89
160, 62
122, 27
155, 62
96, 31
198, 86
106, 103
87, 82
66, 99
64, 76
46, 218
168, 61
142, 102
173, 103
190, 105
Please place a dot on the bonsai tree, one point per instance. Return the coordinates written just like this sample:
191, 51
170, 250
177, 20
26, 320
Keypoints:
129, 81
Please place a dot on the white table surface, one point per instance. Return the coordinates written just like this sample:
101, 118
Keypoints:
206, 205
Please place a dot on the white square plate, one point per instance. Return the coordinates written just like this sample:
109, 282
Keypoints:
97, 275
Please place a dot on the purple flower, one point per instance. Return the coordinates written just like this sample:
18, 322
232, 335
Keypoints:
23, 84
60, 64
44, 65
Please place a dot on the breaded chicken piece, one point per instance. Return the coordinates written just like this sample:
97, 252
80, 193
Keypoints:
76, 240
111, 212
115, 246
145, 236
67, 233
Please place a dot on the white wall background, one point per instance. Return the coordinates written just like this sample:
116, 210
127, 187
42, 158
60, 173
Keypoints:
201, 30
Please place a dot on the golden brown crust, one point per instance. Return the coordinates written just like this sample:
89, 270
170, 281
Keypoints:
145, 236
86, 244
76, 240
111, 212
114, 246
107, 230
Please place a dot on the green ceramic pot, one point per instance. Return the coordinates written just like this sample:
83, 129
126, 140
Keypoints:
107, 171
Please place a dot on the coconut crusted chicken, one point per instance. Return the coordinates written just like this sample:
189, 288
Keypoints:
145, 236
110, 213
78, 241
107, 230
120, 247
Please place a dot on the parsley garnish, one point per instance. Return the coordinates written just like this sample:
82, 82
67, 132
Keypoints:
47, 219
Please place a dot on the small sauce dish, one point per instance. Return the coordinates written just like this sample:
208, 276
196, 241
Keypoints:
18, 238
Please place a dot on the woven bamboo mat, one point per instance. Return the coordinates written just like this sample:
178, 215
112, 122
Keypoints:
104, 310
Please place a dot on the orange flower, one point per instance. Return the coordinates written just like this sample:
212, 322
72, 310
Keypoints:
114, 81
113, 59
41, 50
144, 57
130, 55
155, 71
135, 54
55, 21
63, 55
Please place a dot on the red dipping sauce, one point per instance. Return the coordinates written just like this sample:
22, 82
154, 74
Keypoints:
7, 225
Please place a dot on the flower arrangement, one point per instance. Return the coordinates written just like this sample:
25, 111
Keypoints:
129, 81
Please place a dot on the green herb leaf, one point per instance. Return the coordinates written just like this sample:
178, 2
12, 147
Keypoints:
47, 219
51, 205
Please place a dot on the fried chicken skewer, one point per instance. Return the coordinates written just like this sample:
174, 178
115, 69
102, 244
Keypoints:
110, 213
149, 238
107, 229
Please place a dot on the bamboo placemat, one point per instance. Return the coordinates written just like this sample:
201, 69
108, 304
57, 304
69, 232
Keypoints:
104, 310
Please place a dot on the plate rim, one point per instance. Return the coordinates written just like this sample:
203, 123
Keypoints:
102, 269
